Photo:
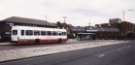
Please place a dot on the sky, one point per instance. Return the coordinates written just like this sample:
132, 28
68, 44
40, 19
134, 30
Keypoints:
77, 12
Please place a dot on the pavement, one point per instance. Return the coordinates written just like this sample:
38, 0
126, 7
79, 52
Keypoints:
116, 54
9, 52
4, 43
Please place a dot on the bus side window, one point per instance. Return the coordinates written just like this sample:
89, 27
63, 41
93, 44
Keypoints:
22, 32
64, 33
14, 32
49, 32
36, 32
57, 33
43, 32
54, 33
29, 32
60, 33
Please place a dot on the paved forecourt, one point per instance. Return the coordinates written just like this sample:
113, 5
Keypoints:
11, 54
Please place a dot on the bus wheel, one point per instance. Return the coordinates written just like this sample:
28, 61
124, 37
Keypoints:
37, 41
59, 40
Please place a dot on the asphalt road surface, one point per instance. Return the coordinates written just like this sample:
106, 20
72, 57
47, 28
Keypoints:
8, 45
120, 54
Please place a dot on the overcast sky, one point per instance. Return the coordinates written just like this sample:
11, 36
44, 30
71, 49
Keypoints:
78, 12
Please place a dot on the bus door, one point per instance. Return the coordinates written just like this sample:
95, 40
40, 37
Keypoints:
14, 35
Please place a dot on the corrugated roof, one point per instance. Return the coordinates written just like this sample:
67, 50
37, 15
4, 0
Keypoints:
15, 19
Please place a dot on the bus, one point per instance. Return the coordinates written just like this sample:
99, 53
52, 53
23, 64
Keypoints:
35, 35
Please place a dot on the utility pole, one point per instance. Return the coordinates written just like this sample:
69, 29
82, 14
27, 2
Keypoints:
46, 18
89, 23
64, 18
124, 13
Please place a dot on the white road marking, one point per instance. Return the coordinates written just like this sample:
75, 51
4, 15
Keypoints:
100, 55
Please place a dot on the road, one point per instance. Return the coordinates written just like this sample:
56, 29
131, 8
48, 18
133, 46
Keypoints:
120, 54
8, 45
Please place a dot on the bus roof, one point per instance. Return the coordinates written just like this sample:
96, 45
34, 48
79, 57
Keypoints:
37, 28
